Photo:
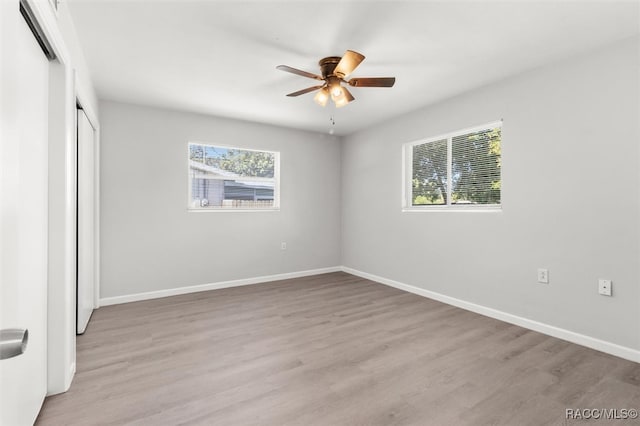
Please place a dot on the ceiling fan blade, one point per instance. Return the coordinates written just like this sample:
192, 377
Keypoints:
303, 91
298, 72
345, 98
372, 82
348, 63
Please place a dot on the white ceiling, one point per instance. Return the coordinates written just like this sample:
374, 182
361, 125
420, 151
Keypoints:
219, 57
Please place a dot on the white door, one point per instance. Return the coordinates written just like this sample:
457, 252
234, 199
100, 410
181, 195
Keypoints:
24, 92
86, 214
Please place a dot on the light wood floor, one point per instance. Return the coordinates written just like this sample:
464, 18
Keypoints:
331, 349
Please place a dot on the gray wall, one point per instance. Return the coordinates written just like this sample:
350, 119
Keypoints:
570, 199
149, 241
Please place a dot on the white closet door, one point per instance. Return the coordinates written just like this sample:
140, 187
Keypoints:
24, 114
86, 221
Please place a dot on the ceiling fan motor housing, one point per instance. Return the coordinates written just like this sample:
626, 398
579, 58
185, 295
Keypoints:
328, 65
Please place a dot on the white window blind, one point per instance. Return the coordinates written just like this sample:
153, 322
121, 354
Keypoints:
475, 167
458, 169
226, 178
430, 177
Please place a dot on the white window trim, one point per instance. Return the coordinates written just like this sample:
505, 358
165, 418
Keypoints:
276, 176
407, 172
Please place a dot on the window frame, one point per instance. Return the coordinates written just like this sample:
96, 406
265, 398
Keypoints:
276, 177
407, 172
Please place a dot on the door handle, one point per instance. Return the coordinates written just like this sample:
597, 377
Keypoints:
13, 342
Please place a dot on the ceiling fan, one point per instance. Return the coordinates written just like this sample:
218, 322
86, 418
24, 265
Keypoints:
334, 70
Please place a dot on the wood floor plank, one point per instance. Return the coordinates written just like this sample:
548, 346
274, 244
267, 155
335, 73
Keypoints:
331, 349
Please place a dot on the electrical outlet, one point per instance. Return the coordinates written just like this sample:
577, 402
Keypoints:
283, 246
604, 287
543, 276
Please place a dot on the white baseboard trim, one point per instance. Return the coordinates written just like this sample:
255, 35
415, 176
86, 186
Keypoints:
560, 333
116, 300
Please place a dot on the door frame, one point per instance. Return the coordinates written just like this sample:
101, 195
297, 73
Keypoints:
66, 89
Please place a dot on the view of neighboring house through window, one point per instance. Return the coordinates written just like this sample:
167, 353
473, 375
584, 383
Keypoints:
458, 169
232, 178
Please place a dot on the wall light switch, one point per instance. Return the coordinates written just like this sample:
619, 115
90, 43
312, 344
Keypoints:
604, 287
283, 246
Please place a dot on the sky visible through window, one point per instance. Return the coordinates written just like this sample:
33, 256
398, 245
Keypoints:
209, 152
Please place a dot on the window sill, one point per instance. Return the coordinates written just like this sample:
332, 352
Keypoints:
227, 210
455, 208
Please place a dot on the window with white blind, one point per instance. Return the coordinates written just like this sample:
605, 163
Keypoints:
226, 178
460, 169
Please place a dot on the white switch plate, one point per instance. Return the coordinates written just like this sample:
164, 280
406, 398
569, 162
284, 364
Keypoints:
543, 276
283, 246
604, 287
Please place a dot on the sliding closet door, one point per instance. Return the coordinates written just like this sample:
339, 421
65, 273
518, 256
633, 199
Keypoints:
24, 112
86, 221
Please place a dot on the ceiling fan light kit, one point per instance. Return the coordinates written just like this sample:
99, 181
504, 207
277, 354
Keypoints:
334, 70
322, 97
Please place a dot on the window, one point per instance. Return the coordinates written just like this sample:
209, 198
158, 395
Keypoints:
458, 169
225, 178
